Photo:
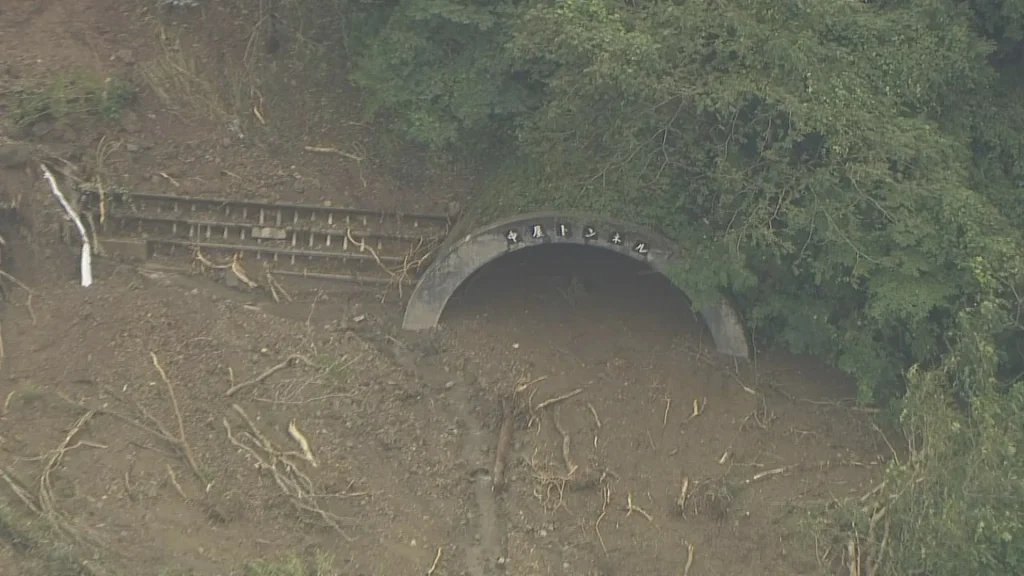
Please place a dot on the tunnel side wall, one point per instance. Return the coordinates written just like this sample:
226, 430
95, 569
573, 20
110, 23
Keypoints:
466, 252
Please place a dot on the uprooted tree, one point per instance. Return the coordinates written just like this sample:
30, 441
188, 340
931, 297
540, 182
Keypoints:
852, 172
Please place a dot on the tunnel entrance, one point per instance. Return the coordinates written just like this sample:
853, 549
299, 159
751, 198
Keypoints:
562, 284
585, 239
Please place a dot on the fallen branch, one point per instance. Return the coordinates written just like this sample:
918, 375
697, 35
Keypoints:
288, 363
203, 260
86, 246
239, 272
16, 281
504, 443
293, 483
689, 559
558, 399
765, 474
852, 558
331, 150
180, 442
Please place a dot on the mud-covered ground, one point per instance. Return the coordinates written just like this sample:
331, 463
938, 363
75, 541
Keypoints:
123, 453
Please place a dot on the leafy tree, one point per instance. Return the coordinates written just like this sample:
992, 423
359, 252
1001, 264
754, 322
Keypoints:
956, 506
437, 68
851, 172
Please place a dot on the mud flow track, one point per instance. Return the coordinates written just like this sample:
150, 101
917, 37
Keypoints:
318, 242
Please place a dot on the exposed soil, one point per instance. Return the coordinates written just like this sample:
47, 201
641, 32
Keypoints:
402, 428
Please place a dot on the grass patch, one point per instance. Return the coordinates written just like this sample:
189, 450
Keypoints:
41, 555
73, 94
176, 79
320, 565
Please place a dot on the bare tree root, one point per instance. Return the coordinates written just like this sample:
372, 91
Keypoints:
47, 502
290, 479
413, 260
550, 487
714, 495
44, 503
235, 266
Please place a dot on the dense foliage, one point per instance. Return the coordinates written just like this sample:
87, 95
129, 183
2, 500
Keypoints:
851, 172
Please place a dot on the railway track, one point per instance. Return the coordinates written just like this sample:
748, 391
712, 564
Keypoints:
257, 240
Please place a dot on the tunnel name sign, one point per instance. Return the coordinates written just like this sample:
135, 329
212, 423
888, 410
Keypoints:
539, 233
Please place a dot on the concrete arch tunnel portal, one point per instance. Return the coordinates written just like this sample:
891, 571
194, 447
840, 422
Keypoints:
467, 250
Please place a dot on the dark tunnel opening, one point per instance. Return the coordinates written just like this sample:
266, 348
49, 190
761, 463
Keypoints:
570, 283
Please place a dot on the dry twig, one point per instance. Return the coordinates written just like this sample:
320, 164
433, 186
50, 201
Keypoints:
7, 403
437, 558
276, 288
698, 408
293, 483
174, 482
606, 497
765, 474
21, 491
307, 452
683, 494
570, 466
593, 412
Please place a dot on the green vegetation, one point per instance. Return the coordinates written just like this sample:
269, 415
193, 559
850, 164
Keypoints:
39, 550
73, 94
321, 565
851, 172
